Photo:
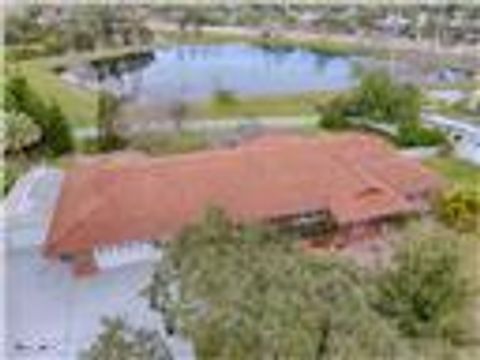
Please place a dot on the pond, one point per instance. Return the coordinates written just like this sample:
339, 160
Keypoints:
196, 72
187, 73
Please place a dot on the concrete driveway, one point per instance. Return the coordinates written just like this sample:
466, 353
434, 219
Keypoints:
49, 314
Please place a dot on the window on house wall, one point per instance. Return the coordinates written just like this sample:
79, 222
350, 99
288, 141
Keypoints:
66, 257
309, 224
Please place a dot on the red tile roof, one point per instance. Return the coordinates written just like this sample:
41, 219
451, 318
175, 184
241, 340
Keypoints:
126, 198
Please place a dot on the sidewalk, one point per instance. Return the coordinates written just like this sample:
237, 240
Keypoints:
209, 125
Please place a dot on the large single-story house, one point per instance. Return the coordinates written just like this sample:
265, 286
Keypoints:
128, 201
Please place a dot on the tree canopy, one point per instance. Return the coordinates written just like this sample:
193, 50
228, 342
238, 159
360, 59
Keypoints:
381, 100
37, 30
120, 341
54, 128
250, 292
427, 289
108, 107
460, 208
20, 131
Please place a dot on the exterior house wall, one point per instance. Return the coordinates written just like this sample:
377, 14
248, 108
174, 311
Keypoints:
88, 263
357, 232
84, 264
125, 253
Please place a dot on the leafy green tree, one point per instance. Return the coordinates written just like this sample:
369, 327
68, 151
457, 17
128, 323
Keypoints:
108, 106
460, 209
407, 104
376, 93
411, 133
55, 131
247, 292
118, 341
13, 169
382, 99
426, 291
20, 28
21, 98
334, 115
20, 131
224, 97
57, 134
91, 26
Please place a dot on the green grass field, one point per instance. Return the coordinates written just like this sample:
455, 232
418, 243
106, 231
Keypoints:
279, 105
457, 172
80, 106
166, 144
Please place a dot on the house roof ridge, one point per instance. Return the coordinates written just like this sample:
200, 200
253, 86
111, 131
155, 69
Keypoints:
107, 200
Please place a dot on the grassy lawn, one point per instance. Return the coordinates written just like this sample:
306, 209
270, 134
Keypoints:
279, 105
456, 171
165, 144
465, 85
80, 106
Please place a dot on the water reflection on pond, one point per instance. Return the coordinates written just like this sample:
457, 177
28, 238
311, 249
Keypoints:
196, 72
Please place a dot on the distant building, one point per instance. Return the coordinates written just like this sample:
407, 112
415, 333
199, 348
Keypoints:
125, 203
393, 24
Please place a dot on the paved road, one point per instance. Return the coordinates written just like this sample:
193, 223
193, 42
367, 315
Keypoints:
466, 137
50, 315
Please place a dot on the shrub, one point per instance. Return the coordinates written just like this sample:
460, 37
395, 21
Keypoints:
375, 93
20, 131
24, 52
426, 291
460, 209
121, 341
108, 137
334, 119
225, 97
20, 97
334, 115
412, 133
248, 292
57, 134
381, 99
407, 104
53, 44
11, 172
161, 144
